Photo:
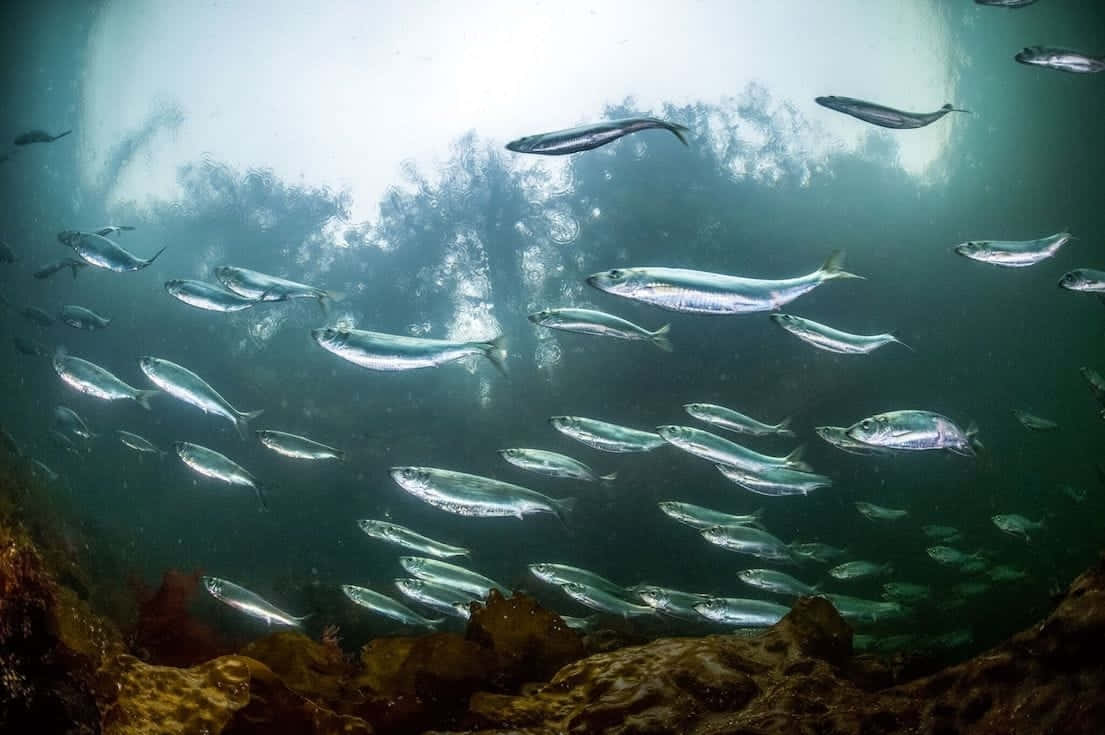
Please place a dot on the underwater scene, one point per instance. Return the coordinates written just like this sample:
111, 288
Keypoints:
730, 366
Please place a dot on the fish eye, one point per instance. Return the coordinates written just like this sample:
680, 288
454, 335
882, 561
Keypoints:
866, 425
616, 274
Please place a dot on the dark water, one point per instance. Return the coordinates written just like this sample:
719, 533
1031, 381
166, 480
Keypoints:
478, 239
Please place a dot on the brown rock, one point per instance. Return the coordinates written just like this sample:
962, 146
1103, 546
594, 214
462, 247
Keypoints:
305, 666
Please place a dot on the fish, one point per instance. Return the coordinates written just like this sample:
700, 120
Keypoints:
93, 380
949, 556
184, 385
1097, 383
584, 624
562, 574
974, 566
699, 517
884, 117
1085, 280
38, 136
850, 570
721, 451
262, 287
472, 495
780, 583
68, 421
29, 347
389, 352
914, 431
553, 464
59, 265
775, 481
940, 532
604, 436
34, 314
1035, 423
207, 296
387, 607
1060, 59
1014, 253
589, 321
114, 230
40, 467
670, 602
1016, 525
727, 418
838, 437
210, 463
444, 574
816, 551
1077, 494
587, 137
63, 442
7, 255
741, 612
298, 447
1005, 3
138, 443
100, 252
833, 340
906, 592
446, 600
393, 533
1005, 573
748, 540
700, 292
250, 603
867, 611
9, 443
878, 512
603, 601
79, 317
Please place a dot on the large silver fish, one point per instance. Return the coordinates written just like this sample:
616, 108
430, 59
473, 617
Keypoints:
719, 450
914, 431
700, 292
100, 252
402, 536
699, 517
298, 447
207, 296
603, 601
472, 495
58, 265
775, 481
445, 574
606, 437
387, 607
263, 287
833, 340
589, 321
586, 137
182, 384
79, 317
780, 583
380, 351
553, 464
737, 422
250, 603
210, 463
748, 540
93, 380
1086, 280
1014, 253
883, 116
1061, 59
448, 600
740, 612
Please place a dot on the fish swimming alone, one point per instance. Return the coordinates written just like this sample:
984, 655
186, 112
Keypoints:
93, 380
210, 463
298, 447
386, 606
59, 265
586, 137
184, 385
775, 481
1033, 422
100, 252
553, 464
472, 495
884, 117
914, 431
263, 287
1060, 59
393, 533
700, 292
589, 321
1014, 253
250, 603
727, 418
79, 317
833, 340
606, 437
380, 351
138, 443
207, 296
38, 136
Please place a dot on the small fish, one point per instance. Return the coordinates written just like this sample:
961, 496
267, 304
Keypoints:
29, 347
727, 418
1097, 383
751, 541
589, 321
387, 607
914, 431
775, 481
390, 352
562, 574
138, 443
850, 570
248, 602
207, 297
879, 513
210, 463
553, 464
603, 601
41, 317
698, 517
63, 442
700, 292
586, 137
949, 556
584, 625
838, 437
68, 421
79, 317
740, 612
1005, 3
1014, 253
445, 574
93, 380
816, 551
113, 230
101, 252
884, 117
1085, 280
38, 136
721, 451
262, 287
1035, 423
906, 592
59, 265
9, 443
398, 535
472, 495
670, 602
1077, 494
940, 532
1005, 573
974, 566
867, 611
778, 582
7, 255
184, 385
1016, 525
833, 340
46, 472
298, 447
604, 436
1060, 59
448, 600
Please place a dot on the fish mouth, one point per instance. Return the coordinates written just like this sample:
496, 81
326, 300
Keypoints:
593, 281
322, 334
535, 318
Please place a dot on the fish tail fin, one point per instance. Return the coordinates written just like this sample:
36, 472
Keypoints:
973, 441
833, 267
61, 135
262, 497
143, 397
660, 338
608, 479
328, 298
241, 421
495, 351
126, 228
299, 619
948, 108
159, 252
783, 427
895, 340
794, 460
563, 507
74, 267
758, 514
342, 457
679, 131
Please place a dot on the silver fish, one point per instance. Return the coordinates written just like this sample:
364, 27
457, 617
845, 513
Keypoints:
100, 252
62, 442
1016, 525
29, 347
700, 292
778, 582
561, 574
950, 556
721, 451
59, 265
79, 317
940, 532
604, 436
114, 230
1005, 3
41, 317
1097, 383
583, 625
450, 575
816, 551
906, 592
206, 296
698, 517
1086, 280
250, 603
446, 600
884, 117
472, 495
727, 418
1014, 253
46, 472
589, 321
298, 447
586, 137
138, 443
775, 481
262, 287
838, 437
668, 601
553, 464
975, 566
402, 536
747, 540
741, 612
379, 351
1077, 494
1035, 423
914, 431
93, 380
184, 385
879, 513
860, 570
69, 421
868, 611
387, 607
833, 340
603, 601
1061, 59
210, 463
